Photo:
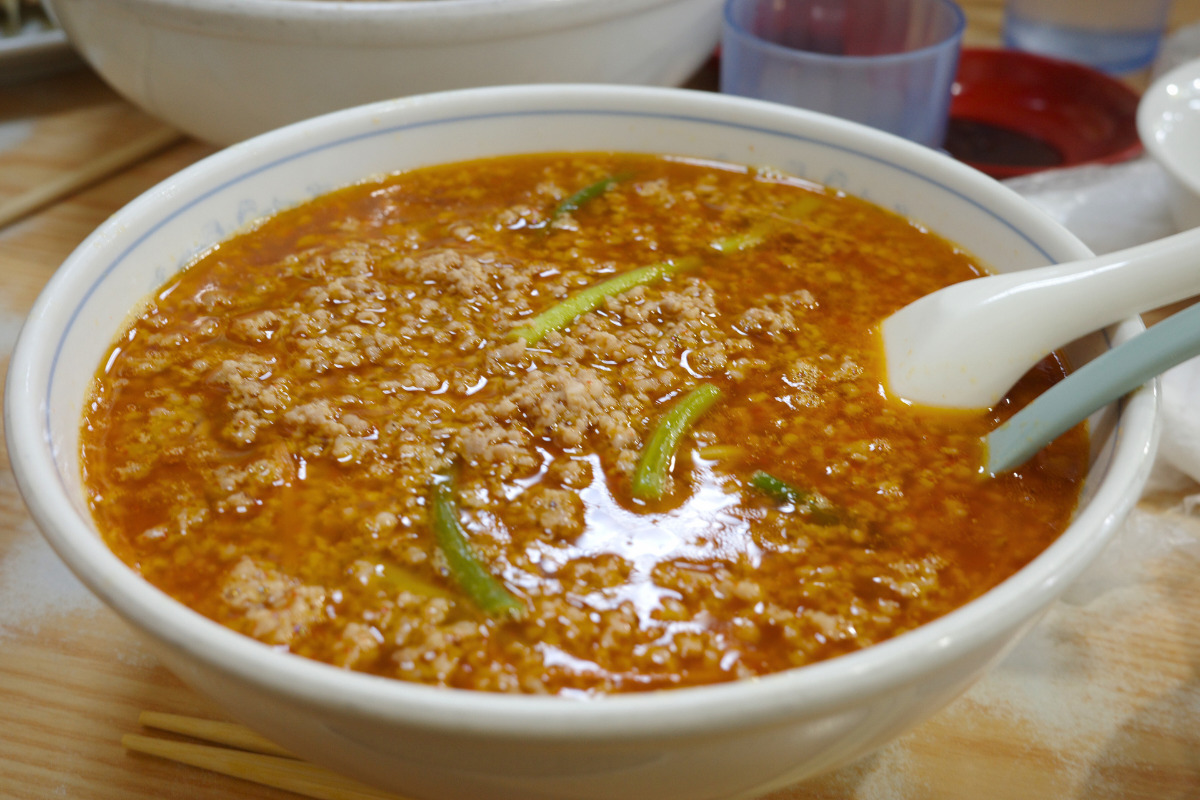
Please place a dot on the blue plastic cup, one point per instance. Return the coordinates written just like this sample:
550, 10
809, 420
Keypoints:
886, 63
1116, 36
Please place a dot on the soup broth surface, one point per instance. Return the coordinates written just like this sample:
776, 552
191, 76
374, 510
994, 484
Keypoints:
286, 435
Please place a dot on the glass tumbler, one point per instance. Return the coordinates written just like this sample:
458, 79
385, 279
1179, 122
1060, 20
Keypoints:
886, 63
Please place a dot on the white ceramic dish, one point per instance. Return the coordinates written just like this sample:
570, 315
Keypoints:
1169, 126
224, 70
732, 740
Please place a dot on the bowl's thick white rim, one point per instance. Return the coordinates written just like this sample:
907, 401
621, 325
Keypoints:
683, 713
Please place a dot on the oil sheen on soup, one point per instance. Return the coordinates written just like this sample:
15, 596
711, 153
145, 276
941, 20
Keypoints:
558, 423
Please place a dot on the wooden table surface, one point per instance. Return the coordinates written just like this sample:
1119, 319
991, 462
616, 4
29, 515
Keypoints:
1100, 702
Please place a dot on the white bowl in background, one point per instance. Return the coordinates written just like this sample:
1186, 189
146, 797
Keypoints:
224, 70
730, 740
1168, 122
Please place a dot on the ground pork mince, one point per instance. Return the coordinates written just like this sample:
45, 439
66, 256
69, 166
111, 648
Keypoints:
275, 439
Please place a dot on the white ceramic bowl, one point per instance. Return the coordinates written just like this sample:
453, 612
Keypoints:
224, 70
728, 740
1169, 126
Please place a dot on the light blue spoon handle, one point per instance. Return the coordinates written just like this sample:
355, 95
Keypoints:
1096, 384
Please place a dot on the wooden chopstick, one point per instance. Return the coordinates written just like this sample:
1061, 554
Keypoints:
94, 171
257, 759
211, 730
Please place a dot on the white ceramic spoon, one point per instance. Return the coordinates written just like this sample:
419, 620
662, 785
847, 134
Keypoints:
965, 346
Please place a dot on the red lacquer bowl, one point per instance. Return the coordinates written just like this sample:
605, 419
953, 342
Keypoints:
1015, 113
